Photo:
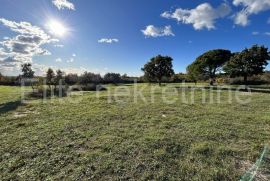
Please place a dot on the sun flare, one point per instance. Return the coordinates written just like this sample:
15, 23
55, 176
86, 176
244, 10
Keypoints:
57, 28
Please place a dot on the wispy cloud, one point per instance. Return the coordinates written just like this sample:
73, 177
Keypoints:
268, 21
58, 60
255, 33
250, 7
152, 31
203, 16
71, 60
108, 40
59, 46
63, 4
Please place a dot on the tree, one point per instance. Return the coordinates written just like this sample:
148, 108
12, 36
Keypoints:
158, 69
89, 77
28, 74
193, 72
71, 79
247, 63
27, 71
59, 76
112, 78
208, 64
180, 77
50, 77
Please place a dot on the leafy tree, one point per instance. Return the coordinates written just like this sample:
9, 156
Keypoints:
89, 77
71, 79
247, 63
112, 78
180, 77
193, 72
27, 71
28, 74
59, 76
50, 77
158, 69
208, 64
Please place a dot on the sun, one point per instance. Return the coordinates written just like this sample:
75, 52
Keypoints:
57, 28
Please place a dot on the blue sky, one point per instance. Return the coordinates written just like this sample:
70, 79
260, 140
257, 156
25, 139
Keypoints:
122, 35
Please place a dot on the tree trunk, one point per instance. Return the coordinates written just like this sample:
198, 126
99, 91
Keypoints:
212, 77
212, 81
245, 79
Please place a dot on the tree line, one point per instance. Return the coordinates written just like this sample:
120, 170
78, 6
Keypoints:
209, 66
249, 62
53, 78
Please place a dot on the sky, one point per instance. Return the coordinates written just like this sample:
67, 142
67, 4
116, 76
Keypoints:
103, 36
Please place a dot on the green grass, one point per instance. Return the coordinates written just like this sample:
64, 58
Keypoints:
85, 137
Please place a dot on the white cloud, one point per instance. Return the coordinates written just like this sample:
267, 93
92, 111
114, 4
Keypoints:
241, 18
74, 55
203, 16
59, 46
58, 60
73, 70
71, 60
249, 7
108, 40
152, 31
23, 47
63, 4
255, 33
26, 28
267, 33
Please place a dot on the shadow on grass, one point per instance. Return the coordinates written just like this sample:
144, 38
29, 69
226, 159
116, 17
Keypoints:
9, 106
258, 90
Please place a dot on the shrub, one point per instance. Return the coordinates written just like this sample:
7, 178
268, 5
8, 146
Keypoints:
44, 91
112, 78
88, 87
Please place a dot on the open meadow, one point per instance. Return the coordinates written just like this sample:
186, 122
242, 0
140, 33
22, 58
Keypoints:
142, 132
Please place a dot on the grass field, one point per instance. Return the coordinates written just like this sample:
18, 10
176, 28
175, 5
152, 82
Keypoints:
120, 138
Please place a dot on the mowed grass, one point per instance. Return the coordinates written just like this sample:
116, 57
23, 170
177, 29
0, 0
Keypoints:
128, 137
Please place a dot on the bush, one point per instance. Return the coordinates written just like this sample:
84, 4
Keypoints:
44, 91
88, 87
255, 80
89, 78
71, 79
112, 78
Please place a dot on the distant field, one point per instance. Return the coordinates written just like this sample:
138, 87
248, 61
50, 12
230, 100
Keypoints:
126, 137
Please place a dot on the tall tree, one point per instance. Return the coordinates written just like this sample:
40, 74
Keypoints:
71, 79
28, 74
158, 69
59, 76
50, 77
193, 72
27, 71
209, 63
247, 63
